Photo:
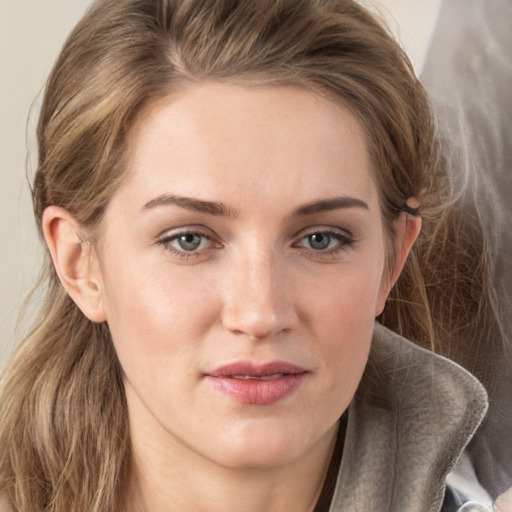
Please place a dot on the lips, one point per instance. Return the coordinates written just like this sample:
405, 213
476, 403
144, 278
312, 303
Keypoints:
249, 383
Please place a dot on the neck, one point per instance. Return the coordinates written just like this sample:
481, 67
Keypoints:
168, 478
216, 492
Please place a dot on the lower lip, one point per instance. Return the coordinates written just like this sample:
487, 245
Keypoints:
258, 392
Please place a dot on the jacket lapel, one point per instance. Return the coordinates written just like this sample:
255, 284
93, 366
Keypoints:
412, 416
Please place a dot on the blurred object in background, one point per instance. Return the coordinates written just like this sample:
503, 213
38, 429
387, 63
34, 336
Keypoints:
468, 73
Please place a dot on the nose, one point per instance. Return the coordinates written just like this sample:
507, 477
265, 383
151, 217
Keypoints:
258, 297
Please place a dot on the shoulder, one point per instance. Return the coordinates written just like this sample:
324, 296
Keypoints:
425, 380
416, 409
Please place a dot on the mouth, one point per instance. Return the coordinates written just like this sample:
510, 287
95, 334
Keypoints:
259, 377
249, 383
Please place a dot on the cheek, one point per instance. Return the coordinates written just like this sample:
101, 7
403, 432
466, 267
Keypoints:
156, 319
345, 300
342, 314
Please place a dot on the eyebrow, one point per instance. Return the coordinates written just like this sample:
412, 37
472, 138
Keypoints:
190, 203
326, 205
219, 209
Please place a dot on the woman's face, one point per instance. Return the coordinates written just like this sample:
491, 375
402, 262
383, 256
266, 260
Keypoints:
242, 267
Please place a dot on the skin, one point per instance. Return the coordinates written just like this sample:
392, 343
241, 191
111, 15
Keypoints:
256, 288
504, 502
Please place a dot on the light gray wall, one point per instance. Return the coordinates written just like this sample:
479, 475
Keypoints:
31, 34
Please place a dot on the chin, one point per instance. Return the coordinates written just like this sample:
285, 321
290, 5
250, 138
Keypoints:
254, 459
263, 447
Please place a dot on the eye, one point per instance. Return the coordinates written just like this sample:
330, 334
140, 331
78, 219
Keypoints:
319, 241
326, 241
186, 243
189, 241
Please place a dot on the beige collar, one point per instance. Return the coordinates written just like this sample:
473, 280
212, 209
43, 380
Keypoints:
412, 416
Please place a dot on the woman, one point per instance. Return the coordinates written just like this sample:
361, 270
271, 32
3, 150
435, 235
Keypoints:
229, 191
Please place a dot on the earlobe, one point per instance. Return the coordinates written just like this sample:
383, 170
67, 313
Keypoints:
407, 228
75, 261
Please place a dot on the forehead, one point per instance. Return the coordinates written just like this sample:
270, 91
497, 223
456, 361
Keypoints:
215, 139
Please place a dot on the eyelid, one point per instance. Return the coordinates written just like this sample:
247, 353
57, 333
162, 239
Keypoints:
165, 238
345, 238
187, 228
323, 228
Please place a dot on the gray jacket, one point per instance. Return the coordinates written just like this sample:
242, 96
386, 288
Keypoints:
412, 416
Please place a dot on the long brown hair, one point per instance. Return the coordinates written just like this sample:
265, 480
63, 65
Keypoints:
64, 438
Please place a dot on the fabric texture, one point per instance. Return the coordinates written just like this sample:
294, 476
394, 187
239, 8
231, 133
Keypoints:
408, 424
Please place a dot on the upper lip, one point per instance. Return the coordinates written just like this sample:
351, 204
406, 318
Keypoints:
250, 369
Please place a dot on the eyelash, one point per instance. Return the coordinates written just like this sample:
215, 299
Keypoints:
345, 241
167, 240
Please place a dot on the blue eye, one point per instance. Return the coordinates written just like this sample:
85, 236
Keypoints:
325, 241
188, 242
319, 241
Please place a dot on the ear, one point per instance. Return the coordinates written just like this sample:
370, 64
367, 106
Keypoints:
407, 228
75, 261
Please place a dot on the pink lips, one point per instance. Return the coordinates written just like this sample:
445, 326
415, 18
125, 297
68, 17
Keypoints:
266, 384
